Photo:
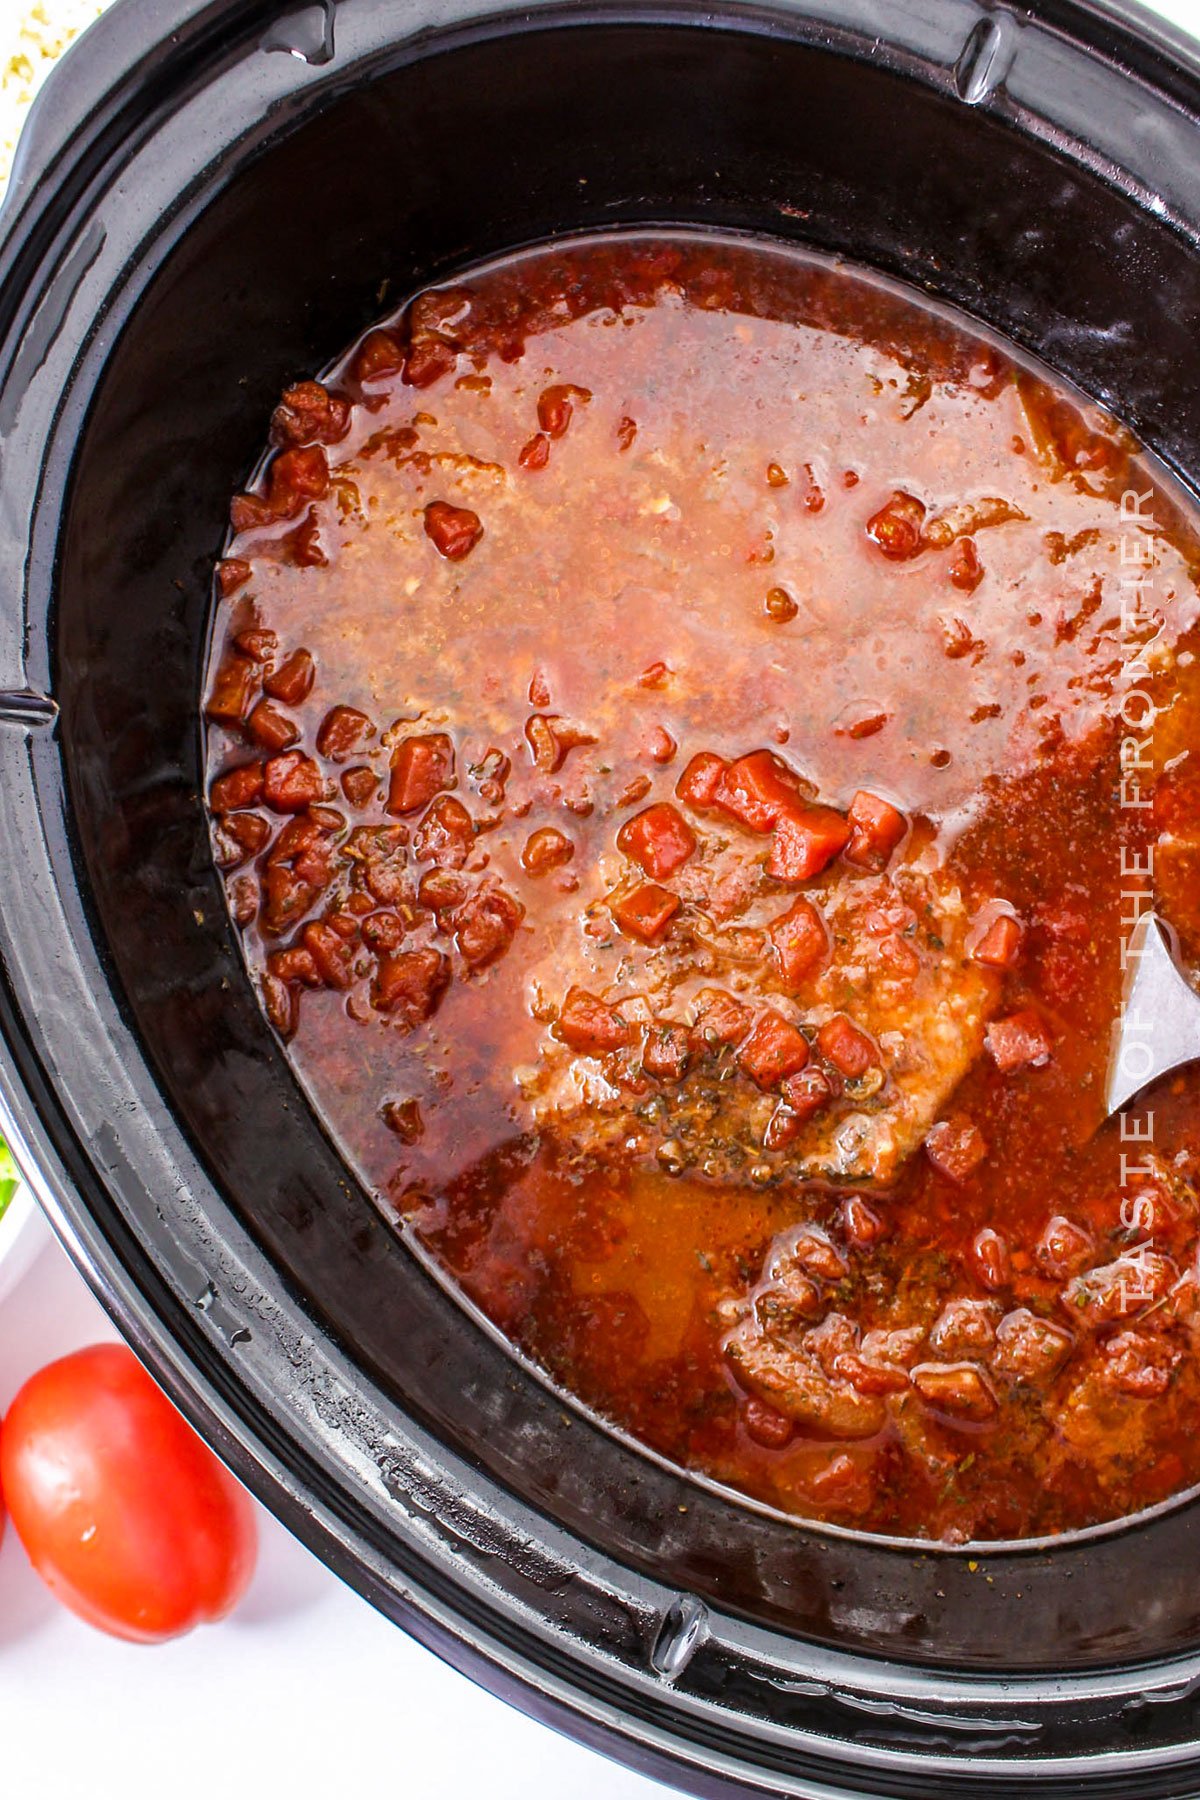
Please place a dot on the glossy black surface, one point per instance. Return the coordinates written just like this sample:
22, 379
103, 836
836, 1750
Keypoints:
199, 218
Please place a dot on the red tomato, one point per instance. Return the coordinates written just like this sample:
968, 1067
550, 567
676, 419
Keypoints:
125, 1514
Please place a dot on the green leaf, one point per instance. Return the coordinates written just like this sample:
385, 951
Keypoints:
10, 1179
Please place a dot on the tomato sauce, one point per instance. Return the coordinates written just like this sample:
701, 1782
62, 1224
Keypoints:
689, 726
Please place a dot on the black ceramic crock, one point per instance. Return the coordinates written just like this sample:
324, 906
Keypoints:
207, 200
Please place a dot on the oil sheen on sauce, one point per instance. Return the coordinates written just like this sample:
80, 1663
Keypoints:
670, 774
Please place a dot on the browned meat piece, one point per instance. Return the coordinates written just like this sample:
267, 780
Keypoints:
795, 1384
898, 1348
1064, 1247
965, 1329
1139, 1364
814, 1250
1097, 1424
1029, 1348
789, 1303
1118, 1290
958, 1390
898, 980
808, 1363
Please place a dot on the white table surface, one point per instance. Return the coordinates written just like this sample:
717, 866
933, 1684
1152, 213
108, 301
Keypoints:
305, 1693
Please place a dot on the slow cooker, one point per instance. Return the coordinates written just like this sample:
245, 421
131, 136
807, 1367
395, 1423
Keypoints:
208, 199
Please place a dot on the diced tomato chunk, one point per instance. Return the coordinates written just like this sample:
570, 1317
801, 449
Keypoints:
535, 454
1064, 1246
345, 923
303, 545
966, 570
849, 1049
871, 1377
428, 361
309, 413
234, 690
404, 1118
410, 984
295, 964
546, 849
237, 788
897, 957
257, 644
446, 833
660, 839
665, 1054
287, 896
764, 1425
232, 573
295, 477
383, 931
249, 512
280, 1003
292, 781
773, 1050
556, 405
990, 1259
307, 847
1000, 945
380, 353
876, 827
331, 954
359, 785
700, 780
897, 529
421, 768
292, 681
1138, 1363
645, 912
443, 889
587, 1025
807, 1092
956, 1148
758, 790
305, 844
636, 789
1018, 1041
249, 831
343, 731
271, 728
552, 739
800, 941
485, 925
782, 1128
380, 855
539, 688
720, 1019
454, 531
806, 841
861, 1223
